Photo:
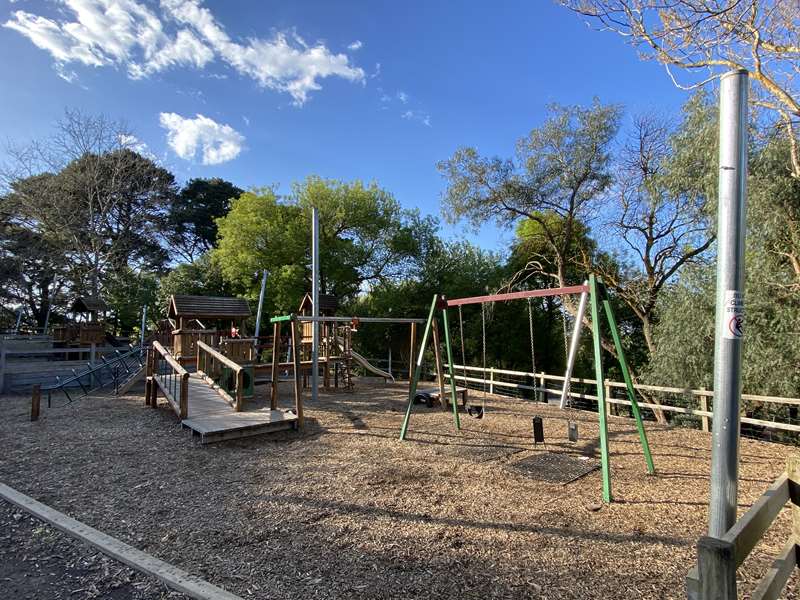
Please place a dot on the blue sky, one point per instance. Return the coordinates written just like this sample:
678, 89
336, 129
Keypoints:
371, 90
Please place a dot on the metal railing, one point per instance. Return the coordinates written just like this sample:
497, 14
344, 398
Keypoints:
115, 371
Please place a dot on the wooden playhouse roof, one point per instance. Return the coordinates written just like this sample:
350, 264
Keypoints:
327, 303
88, 304
207, 307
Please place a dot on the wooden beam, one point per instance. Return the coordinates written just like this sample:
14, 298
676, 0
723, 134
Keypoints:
36, 398
772, 584
171, 576
298, 392
750, 528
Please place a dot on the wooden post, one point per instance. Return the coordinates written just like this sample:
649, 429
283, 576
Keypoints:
411, 351
239, 389
541, 387
184, 399
298, 394
704, 406
36, 398
716, 561
793, 471
608, 397
437, 352
491, 380
276, 342
2, 370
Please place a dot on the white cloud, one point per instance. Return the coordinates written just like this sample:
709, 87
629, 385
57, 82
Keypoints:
217, 143
128, 34
402, 96
278, 63
417, 115
246, 120
131, 142
357, 45
119, 33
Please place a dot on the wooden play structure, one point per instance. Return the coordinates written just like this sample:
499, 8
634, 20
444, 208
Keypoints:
207, 319
87, 328
209, 371
592, 291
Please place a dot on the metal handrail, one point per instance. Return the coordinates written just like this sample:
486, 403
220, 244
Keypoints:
112, 365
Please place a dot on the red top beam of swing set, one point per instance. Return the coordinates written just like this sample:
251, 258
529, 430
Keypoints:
562, 291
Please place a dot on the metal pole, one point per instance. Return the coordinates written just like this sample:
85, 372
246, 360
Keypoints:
730, 301
315, 303
260, 304
144, 324
573, 348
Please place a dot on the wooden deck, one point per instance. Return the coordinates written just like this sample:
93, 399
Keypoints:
215, 420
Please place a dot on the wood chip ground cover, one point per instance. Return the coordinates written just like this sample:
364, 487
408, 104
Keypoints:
345, 510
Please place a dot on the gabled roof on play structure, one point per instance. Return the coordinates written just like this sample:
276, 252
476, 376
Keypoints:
88, 304
328, 304
208, 307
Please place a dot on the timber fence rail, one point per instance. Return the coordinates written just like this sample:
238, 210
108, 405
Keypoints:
776, 415
164, 372
211, 365
714, 577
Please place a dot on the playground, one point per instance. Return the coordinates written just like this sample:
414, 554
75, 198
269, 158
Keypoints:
342, 509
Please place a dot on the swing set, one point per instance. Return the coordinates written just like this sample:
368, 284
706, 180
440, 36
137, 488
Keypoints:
592, 291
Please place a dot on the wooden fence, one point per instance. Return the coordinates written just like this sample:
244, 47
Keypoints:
507, 382
714, 577
22, 368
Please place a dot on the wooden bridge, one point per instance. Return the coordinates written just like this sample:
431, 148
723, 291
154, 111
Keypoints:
204, 406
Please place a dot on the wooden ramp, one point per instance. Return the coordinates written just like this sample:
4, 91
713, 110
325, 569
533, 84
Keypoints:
215, 420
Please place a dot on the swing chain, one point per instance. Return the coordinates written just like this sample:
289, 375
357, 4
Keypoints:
483, 343
530, 326
463, 354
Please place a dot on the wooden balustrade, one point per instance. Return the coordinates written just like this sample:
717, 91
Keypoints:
209, 366
714, 577
164, 372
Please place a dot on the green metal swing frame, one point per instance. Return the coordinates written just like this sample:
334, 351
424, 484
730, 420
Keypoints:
598, 296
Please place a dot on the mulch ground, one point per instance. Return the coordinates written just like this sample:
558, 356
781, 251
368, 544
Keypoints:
346, 510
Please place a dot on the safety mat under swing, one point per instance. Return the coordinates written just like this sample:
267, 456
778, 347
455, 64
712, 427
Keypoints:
554, 467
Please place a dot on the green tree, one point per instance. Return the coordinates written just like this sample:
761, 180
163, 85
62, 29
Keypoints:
202, 277
557, 179
191, 228
365, 238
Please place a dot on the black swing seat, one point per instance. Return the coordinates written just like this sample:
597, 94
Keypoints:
475, 411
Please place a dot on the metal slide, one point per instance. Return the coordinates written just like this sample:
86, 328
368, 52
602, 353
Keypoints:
364, 362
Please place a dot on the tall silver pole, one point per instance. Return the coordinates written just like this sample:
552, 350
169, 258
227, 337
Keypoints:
730, 301
573, 348
315, 302
144, 325
260, 305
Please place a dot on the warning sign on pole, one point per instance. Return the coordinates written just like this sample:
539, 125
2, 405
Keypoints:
734, 315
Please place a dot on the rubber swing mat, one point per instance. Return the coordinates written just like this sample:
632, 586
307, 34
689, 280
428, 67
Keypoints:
477, 452
555, 467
